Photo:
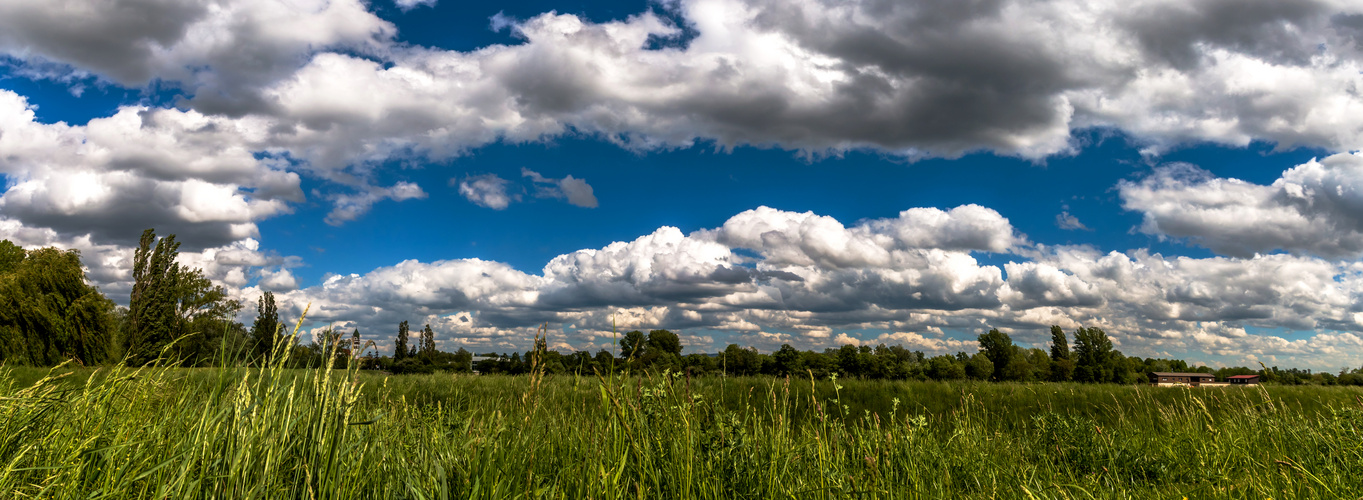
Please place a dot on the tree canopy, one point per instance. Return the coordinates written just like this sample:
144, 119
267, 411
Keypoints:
48, 311
998, 347
170, 302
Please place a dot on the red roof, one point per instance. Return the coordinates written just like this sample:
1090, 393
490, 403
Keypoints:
1243, 376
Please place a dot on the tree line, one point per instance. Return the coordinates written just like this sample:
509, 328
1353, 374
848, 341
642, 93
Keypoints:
49, 314
1090, 358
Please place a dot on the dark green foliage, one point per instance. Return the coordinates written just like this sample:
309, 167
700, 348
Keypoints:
170, 302
427, 343
998, 347
788, 361
736, 360
1060, 345
632, 344
946, 367
400, 343
1095, 359
203, 315
10, 256
463, 360
1039, 364
151, 309
266, 326
979, 367
1062, 361
48, 313
664, 342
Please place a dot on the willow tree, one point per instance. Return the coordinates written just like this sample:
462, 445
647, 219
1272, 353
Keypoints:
49, 313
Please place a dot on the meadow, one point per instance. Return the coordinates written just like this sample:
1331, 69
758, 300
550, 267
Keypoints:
332, 434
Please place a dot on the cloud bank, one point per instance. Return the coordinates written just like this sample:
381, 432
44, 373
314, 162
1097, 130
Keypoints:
767, 277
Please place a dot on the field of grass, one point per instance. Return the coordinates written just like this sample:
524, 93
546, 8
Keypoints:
329, 434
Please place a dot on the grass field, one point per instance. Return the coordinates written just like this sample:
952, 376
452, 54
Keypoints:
238, 433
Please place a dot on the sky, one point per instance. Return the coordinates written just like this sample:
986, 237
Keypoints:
1186, 176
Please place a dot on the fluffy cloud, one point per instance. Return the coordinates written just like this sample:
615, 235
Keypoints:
180, 171
487, 190
806, 238
918, 79
351, 206
221, 50
1314, 208
923, 78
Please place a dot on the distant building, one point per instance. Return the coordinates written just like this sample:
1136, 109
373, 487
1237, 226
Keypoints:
1189, 379
473, 363
1243, 380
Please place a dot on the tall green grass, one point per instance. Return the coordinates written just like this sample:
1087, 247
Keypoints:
330, 434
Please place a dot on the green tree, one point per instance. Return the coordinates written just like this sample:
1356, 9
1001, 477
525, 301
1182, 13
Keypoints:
633, 345
664, 342
945, 367
1040, 363
151, 308
1060, 345
1093, 356
1018, 368
849, 360
1062, 362
463, 360
170, 301
740, 361
400, 343
998, 346
979, 367
48, 312
789, 361
428, 343
10, 256
266, 326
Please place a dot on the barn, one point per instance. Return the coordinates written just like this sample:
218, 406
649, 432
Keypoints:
1179, 378
1243, 380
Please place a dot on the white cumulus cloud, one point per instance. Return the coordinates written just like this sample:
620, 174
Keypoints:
1314, 208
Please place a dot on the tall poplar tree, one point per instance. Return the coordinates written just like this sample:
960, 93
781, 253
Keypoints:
266, 327
428, 342
151, 308
171, 302
400, 344
1062, 362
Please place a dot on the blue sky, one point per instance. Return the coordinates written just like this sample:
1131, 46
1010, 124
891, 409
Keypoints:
853, 172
